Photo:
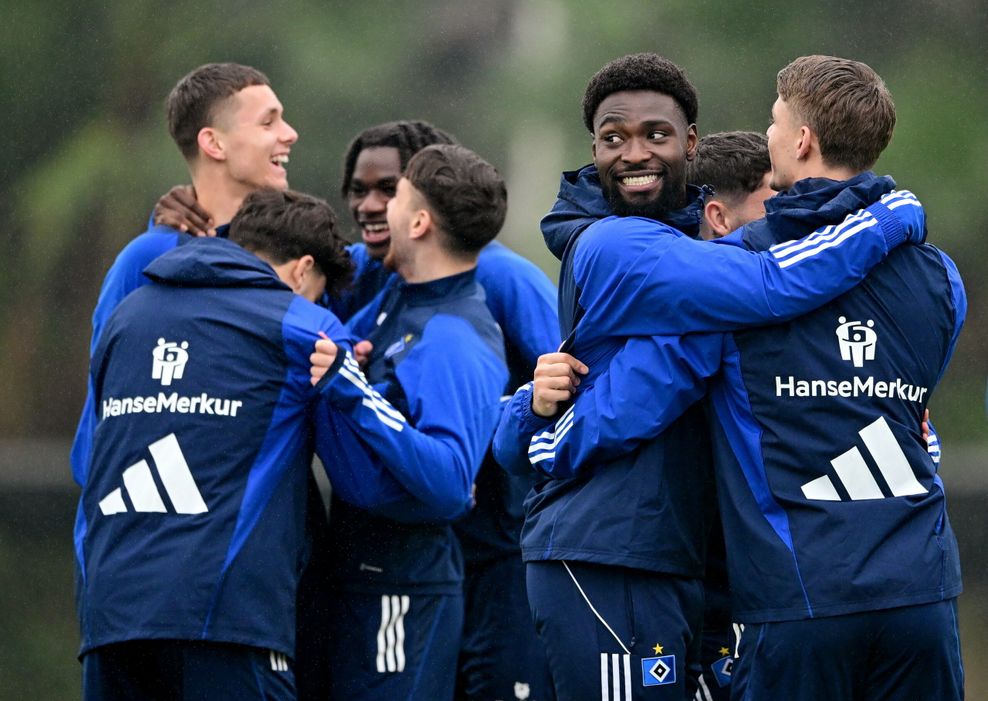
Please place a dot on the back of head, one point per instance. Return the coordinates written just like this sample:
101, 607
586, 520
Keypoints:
733, 163
465, 193
284, 226
195, 100
845, 103
409, 137
646, 71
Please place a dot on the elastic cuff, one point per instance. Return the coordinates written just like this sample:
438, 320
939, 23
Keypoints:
892, 227
333, 370
529, 419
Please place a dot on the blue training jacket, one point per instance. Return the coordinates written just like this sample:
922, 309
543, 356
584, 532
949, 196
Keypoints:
522, 301
438, 360
190, 521
812, 528
685, 285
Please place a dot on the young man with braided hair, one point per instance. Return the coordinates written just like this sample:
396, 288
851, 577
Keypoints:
616, 590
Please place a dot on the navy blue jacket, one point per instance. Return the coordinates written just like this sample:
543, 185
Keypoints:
811, 529
190, 524
438, 360
684, 285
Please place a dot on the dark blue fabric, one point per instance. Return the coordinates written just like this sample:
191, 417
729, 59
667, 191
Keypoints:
454, 405
369, 277
522, 301
234, 422
649, 617
501, 657
165, 670
658, 489
364, 658
810, 204
901, 653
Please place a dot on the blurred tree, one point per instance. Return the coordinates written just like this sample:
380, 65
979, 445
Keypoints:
84, 85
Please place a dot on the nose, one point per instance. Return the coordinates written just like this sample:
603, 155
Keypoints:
635, 151
290, 136
375, 202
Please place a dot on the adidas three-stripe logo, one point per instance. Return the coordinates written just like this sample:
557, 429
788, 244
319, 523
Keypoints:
391, 634
792, 252
853, 472
615, 677
279, 663
386, 414
175, 477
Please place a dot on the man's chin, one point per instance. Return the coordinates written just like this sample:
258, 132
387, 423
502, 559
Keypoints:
378, 250
650, 209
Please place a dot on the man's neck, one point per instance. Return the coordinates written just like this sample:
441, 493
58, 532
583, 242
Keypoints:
433, 265
217, 194
821, 170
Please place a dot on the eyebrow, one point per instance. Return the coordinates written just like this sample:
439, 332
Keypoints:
615, 119
387, 180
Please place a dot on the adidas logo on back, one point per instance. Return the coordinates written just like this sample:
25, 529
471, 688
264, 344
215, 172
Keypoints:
175, 476
853, 472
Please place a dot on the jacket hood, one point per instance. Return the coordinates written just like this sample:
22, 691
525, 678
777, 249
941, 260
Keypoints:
581, 202
813, 203
212, 262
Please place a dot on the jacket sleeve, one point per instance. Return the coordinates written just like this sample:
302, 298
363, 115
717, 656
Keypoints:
958, 301
436, 451
523, 302
625, 265
514, 432
647, 385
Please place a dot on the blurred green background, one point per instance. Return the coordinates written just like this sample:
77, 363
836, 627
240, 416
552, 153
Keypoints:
83, 85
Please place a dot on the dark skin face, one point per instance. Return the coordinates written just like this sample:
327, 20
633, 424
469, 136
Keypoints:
375, 178
640, 147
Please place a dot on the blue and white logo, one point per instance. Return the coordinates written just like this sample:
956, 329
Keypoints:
657, 671
722, 669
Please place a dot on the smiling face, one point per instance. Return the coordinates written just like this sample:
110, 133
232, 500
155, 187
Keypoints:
403, 212
374, 183
256, 139
640, 147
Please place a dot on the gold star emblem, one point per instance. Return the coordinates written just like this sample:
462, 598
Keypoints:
658, 649
725, 651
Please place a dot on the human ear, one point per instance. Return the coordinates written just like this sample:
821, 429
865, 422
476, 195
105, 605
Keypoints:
691, 142
421, 223
715, 213
804, 142
211, 144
